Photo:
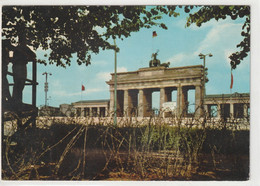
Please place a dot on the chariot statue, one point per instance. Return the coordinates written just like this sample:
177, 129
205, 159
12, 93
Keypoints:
154, 62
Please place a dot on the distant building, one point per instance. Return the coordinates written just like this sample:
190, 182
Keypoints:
93, 108
67, 110
49, 111
134, 96
236, 105
135, 89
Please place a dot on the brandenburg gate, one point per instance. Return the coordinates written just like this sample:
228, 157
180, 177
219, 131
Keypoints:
134, 89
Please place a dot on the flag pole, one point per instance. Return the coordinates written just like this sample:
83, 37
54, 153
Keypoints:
231, 82
154, 35
81, 91
231, 86
152, 44
81, 109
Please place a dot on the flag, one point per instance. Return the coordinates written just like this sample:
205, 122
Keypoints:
154, 34
231, 84
82, 88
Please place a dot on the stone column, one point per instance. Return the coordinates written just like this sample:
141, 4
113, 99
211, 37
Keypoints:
184, 100
231, 114
112, 102
130, 102
179, 98
162, 97
141, 103
198, 101
147, 101
219, 110
82, 111
98, 111
206, 108
90, 112
245, 110
106, 111
126, 103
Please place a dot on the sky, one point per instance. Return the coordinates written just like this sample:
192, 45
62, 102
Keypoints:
178, 45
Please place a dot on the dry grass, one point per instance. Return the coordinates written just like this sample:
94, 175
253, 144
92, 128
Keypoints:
137, 149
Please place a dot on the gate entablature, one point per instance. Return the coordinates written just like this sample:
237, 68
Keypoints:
156, 77
145, 80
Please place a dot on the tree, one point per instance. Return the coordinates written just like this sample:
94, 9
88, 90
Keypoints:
65, 30
206, 13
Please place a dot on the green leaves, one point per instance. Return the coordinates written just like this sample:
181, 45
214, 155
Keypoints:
65, 30
163, 26
206, 13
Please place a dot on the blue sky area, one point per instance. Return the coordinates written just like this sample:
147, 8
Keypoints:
178, 45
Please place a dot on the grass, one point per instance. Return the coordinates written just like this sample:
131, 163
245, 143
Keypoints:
148, 151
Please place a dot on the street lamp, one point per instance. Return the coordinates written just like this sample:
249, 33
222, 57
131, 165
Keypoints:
203, 56
115, 87
46, 86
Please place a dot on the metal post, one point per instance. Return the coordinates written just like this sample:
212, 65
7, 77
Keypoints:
203, 56
115, 88
34, 84
204, 83
46, 86
46, 89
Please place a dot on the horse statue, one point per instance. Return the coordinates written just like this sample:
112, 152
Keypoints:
154, 62
165, 65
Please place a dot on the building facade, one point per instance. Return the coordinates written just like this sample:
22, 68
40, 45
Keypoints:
92, 108
134, 96
236, 105
134, 89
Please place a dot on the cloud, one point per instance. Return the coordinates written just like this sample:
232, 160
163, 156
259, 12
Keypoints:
220, 41
81, 68
178, 58
227, 53
180, 23
121, 69
222, 32
106, 76
181, 59
56, 83
100, 62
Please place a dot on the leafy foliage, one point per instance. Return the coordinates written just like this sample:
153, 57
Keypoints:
206, 13
65, 30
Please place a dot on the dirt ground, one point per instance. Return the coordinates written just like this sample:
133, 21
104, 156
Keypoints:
223, 169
